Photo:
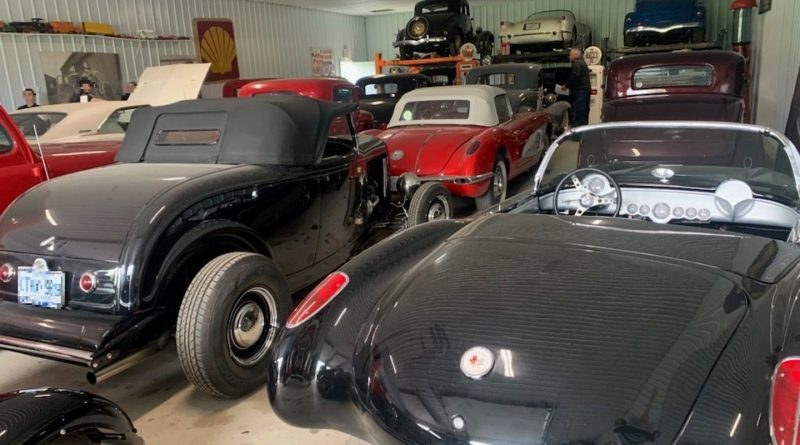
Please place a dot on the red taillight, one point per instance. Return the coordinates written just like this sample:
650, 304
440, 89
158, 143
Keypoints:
318, 298
87, 282
6, 272
784, 401
594, 92
473, 147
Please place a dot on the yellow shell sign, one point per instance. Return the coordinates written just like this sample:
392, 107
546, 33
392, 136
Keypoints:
218, 48
216, 45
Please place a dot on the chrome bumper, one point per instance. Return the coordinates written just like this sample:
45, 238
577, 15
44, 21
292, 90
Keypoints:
421, 41
666, 29
407, 183
59, 353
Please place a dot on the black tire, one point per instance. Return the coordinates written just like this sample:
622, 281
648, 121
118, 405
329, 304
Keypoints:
454, 45
431, 201
232, 289
498, 186
630, 40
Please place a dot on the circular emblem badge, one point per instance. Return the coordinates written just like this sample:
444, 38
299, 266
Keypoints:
477, 362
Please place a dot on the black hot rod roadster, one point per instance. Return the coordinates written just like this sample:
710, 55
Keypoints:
646, 292
215, 211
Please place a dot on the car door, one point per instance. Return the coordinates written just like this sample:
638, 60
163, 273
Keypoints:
338, 181
519, 137
19, 169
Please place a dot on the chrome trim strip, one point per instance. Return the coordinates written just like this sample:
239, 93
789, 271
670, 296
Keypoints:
75, 356
665, 30
421, 41
460, 180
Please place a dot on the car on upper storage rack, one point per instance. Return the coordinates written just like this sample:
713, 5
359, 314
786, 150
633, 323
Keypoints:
380, 93
665, 21
459, 140
442, 27
214, 212
331, 89
545, 31
698, 85
524, 86
643, 292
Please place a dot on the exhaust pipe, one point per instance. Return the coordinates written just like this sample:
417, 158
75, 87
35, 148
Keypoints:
109, 370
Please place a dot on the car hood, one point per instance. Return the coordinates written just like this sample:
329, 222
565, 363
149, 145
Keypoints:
587, 344
425, 149
89, 214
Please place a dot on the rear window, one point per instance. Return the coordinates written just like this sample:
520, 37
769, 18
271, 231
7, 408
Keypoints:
498, 79
117, 122
380, 89
435, 109
188, 137
32, 124
673, 76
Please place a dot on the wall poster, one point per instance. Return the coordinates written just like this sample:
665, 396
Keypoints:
322, 62
216, 44
63, 72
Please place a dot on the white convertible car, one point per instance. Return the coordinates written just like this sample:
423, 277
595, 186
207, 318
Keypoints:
545, 31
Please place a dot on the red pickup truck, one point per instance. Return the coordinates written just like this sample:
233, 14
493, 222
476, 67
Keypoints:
21, 166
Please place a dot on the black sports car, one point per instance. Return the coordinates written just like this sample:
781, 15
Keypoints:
645, 292
215, 211
442, 27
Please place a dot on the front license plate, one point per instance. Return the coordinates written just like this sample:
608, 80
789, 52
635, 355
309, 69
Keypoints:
40, 287
532, 26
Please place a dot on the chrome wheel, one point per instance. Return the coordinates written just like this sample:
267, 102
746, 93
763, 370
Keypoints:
499, 181
439, 209
252, 326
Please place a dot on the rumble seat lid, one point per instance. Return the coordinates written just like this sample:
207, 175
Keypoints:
161, 85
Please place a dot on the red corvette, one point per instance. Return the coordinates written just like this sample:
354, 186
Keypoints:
332, 89
463, 141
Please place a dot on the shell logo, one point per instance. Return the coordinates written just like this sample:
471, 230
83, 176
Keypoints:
218, 48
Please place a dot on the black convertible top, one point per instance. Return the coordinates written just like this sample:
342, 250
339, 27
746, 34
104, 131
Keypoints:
272, 130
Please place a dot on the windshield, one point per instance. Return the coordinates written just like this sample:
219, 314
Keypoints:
695, 157
32, 124
549, 14
430, 7
435, 110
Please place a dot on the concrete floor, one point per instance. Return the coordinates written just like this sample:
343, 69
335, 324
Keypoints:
167, 409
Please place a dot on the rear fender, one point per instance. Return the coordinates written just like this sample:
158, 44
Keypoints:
477, 163
192, 250
312, 363
42, 415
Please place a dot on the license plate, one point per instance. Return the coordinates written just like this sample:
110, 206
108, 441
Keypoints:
40, 287
532, 26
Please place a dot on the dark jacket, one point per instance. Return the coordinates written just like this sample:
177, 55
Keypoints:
579, 77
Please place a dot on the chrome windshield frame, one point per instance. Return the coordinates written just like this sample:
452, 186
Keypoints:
788, 147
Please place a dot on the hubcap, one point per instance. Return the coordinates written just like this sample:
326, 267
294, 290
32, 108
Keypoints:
248, 325
437, 210
498, 182
252, 326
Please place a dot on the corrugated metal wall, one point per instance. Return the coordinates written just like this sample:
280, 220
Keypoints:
776, 62
272, 40
604, 17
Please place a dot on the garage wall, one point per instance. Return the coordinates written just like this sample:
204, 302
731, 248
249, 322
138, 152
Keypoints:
272, 40
604, 17
777, 60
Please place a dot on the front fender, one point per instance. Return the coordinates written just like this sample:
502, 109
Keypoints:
40, 415
311, 370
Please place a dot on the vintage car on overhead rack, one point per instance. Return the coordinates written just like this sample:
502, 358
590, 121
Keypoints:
380, 93
63, 416
524, 86
545, 31
459, 140
644, 292
665, 21
442, 27
214, 212
332, 89
699, 85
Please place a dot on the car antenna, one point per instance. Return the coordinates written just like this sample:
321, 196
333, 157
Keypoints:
41, 153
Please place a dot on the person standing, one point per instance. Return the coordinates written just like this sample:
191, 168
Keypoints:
580, 86
29, 96
129, 89
86, 93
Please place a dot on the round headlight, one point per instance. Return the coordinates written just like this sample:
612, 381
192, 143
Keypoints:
418, 27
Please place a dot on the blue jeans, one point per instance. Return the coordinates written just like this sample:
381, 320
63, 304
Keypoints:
580, 105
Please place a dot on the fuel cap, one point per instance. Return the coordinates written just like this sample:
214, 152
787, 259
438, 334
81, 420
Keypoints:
477, 362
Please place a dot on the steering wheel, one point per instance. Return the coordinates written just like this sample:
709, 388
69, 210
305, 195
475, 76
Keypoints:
589, 198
